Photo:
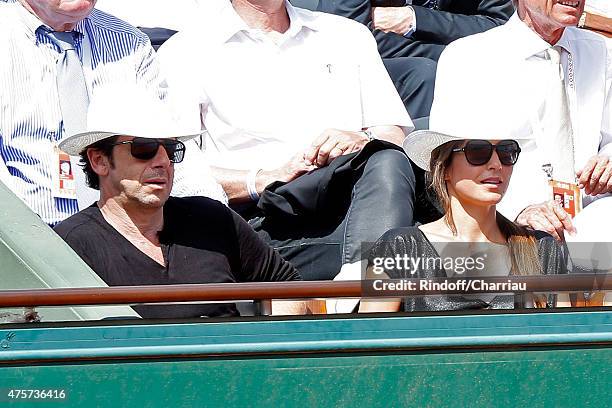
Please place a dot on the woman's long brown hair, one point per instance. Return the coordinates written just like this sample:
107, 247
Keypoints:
522, 245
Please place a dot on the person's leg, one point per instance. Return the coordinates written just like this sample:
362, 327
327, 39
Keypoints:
414, 79
391, 45
380, 199
312, 246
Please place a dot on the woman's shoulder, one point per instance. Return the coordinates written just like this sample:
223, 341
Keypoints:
405, 240
402, 233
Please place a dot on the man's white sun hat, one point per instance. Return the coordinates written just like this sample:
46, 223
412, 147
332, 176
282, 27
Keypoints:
128, 111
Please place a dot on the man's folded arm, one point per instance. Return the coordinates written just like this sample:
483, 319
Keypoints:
444, 27
358, 10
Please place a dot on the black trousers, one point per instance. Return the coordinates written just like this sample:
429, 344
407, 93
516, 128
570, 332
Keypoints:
381, 198
414, 78
157, 35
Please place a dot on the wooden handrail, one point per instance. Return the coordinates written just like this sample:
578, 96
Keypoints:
600, 24
276, 290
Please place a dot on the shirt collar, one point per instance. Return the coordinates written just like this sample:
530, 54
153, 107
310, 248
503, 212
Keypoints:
32, 22
529, 42
233, 24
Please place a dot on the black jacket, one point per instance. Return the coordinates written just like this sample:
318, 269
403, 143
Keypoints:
451, 20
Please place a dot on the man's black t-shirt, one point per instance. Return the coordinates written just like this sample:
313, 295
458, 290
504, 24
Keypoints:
202, 241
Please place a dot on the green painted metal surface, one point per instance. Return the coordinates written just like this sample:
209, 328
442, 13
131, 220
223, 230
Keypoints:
542, 378
534, 359
33, 256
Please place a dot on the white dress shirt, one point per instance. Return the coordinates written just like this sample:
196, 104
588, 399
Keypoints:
511, 59
263, 101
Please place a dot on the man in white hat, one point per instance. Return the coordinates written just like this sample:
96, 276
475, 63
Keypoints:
137, 235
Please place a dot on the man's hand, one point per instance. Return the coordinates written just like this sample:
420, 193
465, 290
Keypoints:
549, 217
289, 171
398, 20
333, 143
596, 176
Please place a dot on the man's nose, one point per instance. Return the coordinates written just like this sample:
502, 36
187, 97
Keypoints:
161, 158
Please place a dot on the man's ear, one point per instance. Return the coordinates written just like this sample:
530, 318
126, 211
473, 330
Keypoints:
100, 163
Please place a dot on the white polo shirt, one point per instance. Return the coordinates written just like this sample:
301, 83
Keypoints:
263, 101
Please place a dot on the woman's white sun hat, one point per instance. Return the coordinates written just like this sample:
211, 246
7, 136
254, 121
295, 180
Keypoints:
128, 112
470, 117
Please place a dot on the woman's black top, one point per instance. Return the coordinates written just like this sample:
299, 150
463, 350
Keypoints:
413, 243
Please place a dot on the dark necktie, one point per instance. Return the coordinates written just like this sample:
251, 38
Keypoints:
71, 87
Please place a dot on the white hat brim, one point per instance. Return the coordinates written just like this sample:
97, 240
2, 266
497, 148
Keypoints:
418, 145
76, 144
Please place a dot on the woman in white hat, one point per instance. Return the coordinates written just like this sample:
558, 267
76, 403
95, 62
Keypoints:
469, 172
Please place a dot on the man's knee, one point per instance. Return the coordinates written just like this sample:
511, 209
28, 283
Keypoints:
424, 72
390, 170
414, 78
415, 71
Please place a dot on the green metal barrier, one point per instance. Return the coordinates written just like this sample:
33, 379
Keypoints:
33, 256
507, 360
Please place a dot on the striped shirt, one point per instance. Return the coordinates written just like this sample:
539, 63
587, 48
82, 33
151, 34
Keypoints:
112, 53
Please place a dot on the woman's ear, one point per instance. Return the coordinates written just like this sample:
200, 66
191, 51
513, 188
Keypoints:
100, 163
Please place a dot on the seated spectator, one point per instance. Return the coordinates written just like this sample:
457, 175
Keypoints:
542, 57
137, 235
470, 162
72, 51
411, 34
293, 98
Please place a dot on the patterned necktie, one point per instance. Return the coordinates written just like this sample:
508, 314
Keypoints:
71, 87
558, 121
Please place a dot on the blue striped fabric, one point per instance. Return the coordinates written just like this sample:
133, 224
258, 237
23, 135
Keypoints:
30, 117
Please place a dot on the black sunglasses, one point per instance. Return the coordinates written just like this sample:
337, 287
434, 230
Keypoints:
145, 149
479, 152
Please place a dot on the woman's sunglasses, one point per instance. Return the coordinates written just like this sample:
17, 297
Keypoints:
145, 149
479, 152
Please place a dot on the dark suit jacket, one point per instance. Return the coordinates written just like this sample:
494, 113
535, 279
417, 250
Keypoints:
435, 28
